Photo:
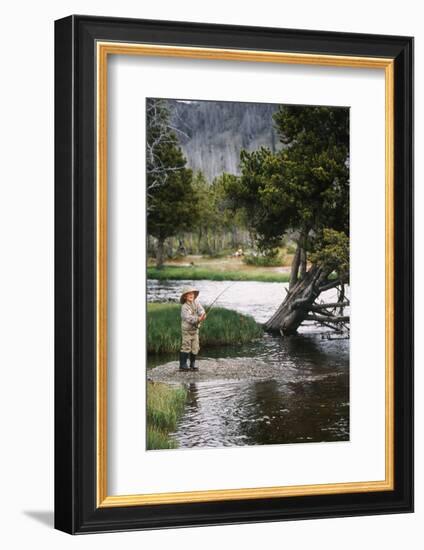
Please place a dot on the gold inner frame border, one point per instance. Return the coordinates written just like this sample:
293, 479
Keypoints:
103, 50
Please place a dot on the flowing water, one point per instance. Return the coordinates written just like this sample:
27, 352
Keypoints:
307, 402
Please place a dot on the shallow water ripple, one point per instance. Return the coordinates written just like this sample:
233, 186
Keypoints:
307, 401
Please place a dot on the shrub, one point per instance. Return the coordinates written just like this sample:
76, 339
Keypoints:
269, 258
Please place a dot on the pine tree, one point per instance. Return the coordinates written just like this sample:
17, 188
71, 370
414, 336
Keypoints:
304, 189
171, 200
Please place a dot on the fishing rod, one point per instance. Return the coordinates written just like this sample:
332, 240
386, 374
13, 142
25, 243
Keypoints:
219, 295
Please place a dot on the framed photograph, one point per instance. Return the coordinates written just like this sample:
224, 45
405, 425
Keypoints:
234, 274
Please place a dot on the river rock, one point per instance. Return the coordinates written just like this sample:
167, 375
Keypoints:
237, 368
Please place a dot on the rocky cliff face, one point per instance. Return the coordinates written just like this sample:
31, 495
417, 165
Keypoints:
212, 133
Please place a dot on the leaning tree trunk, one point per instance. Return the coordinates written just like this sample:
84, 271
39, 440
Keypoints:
298, 268
291, 313
295, 268
298, 305
302, 266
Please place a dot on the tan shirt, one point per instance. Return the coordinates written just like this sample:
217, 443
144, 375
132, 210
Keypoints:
190, 314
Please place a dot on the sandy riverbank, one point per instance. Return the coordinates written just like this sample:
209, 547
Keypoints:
238, 368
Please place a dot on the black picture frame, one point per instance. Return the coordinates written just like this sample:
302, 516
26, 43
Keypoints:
76, 509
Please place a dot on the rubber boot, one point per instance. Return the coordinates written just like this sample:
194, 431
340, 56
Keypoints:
192, 362
183, 361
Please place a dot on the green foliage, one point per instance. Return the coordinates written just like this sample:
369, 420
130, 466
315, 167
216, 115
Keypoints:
256, 192
225, 218
269, 258
165, 405
214, 215
172, 201
290, 248
222, 327
201, 188
177, 273
333, 253
305, 186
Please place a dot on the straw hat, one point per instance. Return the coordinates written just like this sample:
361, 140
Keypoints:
186, 290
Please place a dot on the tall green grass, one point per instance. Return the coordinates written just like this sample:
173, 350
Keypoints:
222, 327
165, 405
204, 273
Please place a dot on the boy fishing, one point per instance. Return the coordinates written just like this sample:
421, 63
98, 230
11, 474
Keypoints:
192, 314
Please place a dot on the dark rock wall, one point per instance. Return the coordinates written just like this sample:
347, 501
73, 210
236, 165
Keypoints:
212, 133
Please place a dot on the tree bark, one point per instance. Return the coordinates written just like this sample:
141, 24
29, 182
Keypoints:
296, 305
330, 285
323, 307
302, 266
298, 269
160, 252
295, 267
299, 305
331, 319
199, 239
234, 238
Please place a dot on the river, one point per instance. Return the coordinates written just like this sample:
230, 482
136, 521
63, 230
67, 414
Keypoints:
307, 402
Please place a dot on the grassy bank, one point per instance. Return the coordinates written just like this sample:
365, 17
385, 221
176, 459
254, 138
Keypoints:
222, 327
208, 273
165, 405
